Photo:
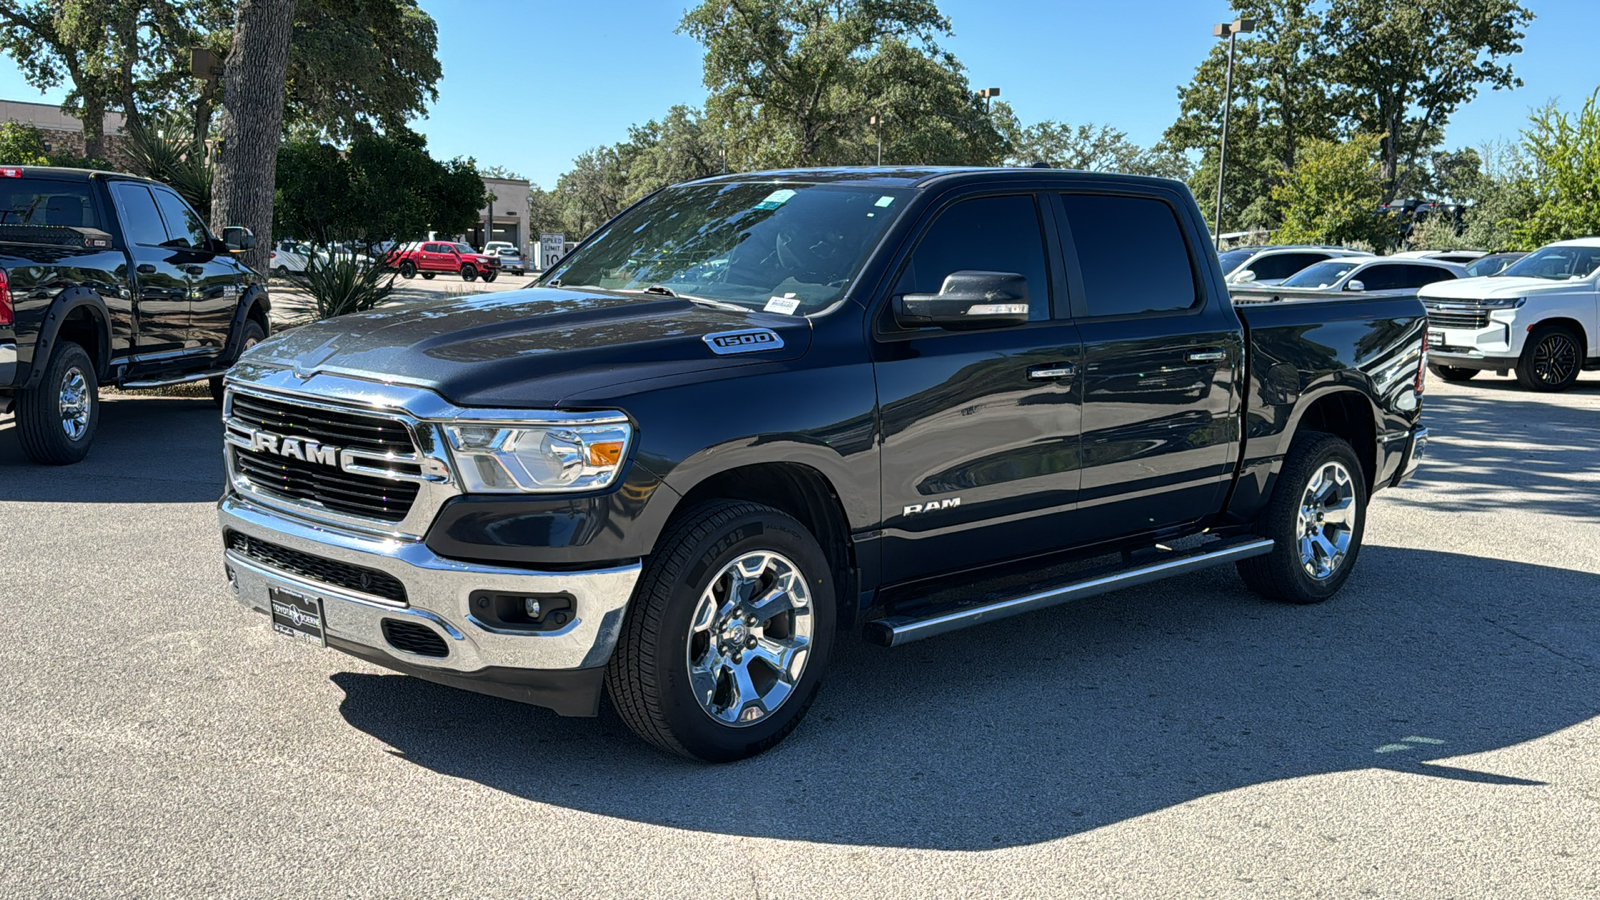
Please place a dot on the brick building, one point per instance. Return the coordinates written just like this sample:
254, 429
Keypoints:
63, 133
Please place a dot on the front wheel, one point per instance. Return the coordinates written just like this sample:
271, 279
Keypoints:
1551, 360
1315, 517
253, 335
1454, 374
490, 275
728, 635
57, 420
468, 273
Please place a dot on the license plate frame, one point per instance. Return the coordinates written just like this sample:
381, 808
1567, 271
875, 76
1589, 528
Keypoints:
297, 616
1435, 337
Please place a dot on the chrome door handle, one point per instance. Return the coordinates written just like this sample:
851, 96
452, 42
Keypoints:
1052, 371
1208, 356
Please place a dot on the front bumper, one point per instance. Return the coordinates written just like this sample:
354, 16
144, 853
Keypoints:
1493, 345
437, 592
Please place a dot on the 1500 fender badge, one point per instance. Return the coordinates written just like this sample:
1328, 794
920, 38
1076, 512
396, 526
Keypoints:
748, 340
931, 506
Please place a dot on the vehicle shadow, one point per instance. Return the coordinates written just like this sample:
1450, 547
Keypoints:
1490, 451
1063, 721
149, 449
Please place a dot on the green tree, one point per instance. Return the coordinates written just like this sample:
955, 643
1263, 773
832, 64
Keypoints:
1564, 149
22, 145
1332, 194
1503, 198
1401, 68
795, 83
358, 66
1093, 148
312, 200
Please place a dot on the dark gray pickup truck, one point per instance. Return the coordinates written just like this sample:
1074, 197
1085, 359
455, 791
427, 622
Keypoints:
758, 411
110, 279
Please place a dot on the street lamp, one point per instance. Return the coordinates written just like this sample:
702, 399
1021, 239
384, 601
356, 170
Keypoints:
1228, 30
988, 94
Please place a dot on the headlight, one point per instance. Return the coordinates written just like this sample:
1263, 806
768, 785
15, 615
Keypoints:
1503, 303
539, 457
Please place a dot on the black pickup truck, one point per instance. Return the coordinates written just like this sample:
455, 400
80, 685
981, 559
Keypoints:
110, 279
756, 411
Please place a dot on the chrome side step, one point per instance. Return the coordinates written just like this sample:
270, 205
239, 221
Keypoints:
903, 629
169, 382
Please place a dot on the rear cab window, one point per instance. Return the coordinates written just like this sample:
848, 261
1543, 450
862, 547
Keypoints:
45, 203
1132, 255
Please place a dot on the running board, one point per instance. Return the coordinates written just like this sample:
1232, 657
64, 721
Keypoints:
903, 629
169, 382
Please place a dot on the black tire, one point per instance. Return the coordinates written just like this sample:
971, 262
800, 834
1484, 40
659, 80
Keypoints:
491, 275
253, 335
41, 418
1453, 374
469, 273
282, 271
427, 276
648, 676
408, 269
1283, 574
1551, 360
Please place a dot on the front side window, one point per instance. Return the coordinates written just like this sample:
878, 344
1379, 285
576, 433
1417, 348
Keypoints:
1556, 263
749, 244
460, 248
1132, 254
988, 234
184, 228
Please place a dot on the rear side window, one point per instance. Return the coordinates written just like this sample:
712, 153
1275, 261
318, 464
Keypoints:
987, 234
184, 228
1384, 277
1132, 254
1422, 276
140, 221
38, 201
1282, 265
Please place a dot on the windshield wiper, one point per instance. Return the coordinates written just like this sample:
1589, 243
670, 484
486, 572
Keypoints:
665, 291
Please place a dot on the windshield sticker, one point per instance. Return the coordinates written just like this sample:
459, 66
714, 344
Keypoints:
885, 201
776, 199
786, 304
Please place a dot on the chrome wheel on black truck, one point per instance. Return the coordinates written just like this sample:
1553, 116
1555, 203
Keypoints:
1551, 360
728, 636
57, 419
1316, 517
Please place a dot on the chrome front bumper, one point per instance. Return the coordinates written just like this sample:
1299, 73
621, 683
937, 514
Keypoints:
437, 592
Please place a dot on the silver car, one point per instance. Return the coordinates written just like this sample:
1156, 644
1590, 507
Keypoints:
510, 260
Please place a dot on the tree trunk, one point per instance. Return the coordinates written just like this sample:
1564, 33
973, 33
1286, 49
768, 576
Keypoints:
252, 121
94, 124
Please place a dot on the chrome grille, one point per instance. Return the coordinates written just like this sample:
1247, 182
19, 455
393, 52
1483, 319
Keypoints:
378, 472
1458, 318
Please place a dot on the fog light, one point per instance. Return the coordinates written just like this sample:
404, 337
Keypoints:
534, 610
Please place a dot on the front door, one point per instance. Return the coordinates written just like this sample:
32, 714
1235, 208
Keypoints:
214, 278
159, 284
979, 457
1161, 365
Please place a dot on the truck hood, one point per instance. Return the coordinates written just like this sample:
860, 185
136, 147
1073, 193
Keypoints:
531, 348
1495, 287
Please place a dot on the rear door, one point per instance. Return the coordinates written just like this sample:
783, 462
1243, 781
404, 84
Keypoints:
160, 286
1161, 363
980, 427
215, 278
436, 257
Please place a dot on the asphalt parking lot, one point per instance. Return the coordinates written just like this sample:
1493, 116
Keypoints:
1434, 730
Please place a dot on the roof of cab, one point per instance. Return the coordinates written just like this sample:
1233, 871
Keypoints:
915, 176
63, 173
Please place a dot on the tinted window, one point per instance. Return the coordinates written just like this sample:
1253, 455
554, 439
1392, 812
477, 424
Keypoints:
184, 228
1282, 265
1132, 254
137, 211
460, 248
991, 234
1384, 277
38, 201
432, 248
1231, 259
1420, 276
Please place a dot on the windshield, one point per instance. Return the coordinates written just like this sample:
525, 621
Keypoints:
1556, 263
506, 251
463, 248
790, 248
1321, 275
1491, 265
1233, 259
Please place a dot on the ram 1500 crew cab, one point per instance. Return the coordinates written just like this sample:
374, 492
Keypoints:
757, 412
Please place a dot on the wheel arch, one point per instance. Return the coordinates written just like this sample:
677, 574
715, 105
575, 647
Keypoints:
1346, 413
255, 305
1571, 324
81, 316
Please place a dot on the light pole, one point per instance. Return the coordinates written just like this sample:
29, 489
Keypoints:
877, 129
1228, 30
988, 95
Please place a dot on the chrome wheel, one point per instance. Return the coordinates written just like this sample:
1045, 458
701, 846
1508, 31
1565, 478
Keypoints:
73, 403
1328, 514
750, 638
1555, 359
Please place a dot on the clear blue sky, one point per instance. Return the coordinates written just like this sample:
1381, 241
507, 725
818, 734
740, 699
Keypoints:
529, 85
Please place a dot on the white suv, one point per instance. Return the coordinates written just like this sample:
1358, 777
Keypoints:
1540, 318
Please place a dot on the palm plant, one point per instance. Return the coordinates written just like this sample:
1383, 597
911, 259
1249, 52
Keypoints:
166, 152
339, 284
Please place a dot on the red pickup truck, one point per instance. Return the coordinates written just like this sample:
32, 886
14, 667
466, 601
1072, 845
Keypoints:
429, 258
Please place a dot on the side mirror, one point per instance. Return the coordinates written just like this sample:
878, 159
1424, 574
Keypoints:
968, 299
238, 238
1245, 277
1354, 285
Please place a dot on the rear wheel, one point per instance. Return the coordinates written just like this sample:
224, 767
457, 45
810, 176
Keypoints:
408, 269
282, 271
469, 273
427, 276
1452, 373
725, 644
1316, 518
1551, 360
57, 419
